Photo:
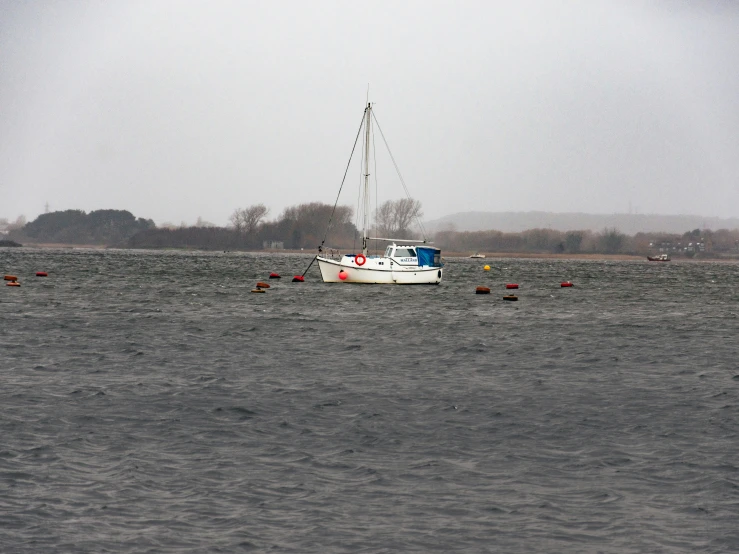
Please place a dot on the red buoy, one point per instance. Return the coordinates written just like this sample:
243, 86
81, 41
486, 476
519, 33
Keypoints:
566, 284
298, 279
343, 275
274, 275
511, 286
41, 274
482, 290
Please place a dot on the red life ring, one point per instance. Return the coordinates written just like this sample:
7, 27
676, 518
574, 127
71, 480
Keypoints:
359, 261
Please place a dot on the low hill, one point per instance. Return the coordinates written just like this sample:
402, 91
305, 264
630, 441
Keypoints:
106, 227
516, 222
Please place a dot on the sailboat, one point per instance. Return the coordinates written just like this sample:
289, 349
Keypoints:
405, 262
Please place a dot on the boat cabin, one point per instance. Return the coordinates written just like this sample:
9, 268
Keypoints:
412, 255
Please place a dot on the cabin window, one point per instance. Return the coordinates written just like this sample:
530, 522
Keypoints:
405, 253
388, 251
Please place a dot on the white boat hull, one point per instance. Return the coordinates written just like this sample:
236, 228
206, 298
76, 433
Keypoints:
378, 271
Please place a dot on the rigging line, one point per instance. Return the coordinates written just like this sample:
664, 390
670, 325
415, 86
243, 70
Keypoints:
342, 182
397, 169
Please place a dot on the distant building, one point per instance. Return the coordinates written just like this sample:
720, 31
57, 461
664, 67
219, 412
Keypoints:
273, 245
664, 246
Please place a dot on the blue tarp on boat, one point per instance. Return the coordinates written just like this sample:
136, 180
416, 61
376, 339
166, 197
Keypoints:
428, 256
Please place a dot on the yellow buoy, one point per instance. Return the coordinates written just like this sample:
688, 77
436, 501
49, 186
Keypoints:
486, 268
258, 290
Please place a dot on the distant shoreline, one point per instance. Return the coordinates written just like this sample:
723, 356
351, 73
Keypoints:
64, 245
445, 254
544, 255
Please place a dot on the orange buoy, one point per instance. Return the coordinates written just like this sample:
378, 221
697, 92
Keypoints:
13, 284
261, 285
274, 275
482, 290
511, 286
41, 274
566, 284
11, 278
511, 297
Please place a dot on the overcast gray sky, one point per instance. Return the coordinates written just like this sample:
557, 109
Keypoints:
175, 109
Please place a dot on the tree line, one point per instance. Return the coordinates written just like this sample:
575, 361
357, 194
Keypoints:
303, 226
610, 241
695, 243
306, 226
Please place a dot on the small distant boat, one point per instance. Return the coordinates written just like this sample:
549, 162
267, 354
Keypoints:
660, 258
477, 255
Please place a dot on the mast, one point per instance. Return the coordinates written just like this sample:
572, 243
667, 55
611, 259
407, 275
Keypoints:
365, 192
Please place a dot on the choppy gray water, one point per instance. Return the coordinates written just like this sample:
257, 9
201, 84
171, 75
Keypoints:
150, 402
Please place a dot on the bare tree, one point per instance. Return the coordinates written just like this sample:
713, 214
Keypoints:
236, 220
253, 216
384, 218
611, 241
573, 241
247, 220
406, 211
19, 223
395, 217
307, 224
